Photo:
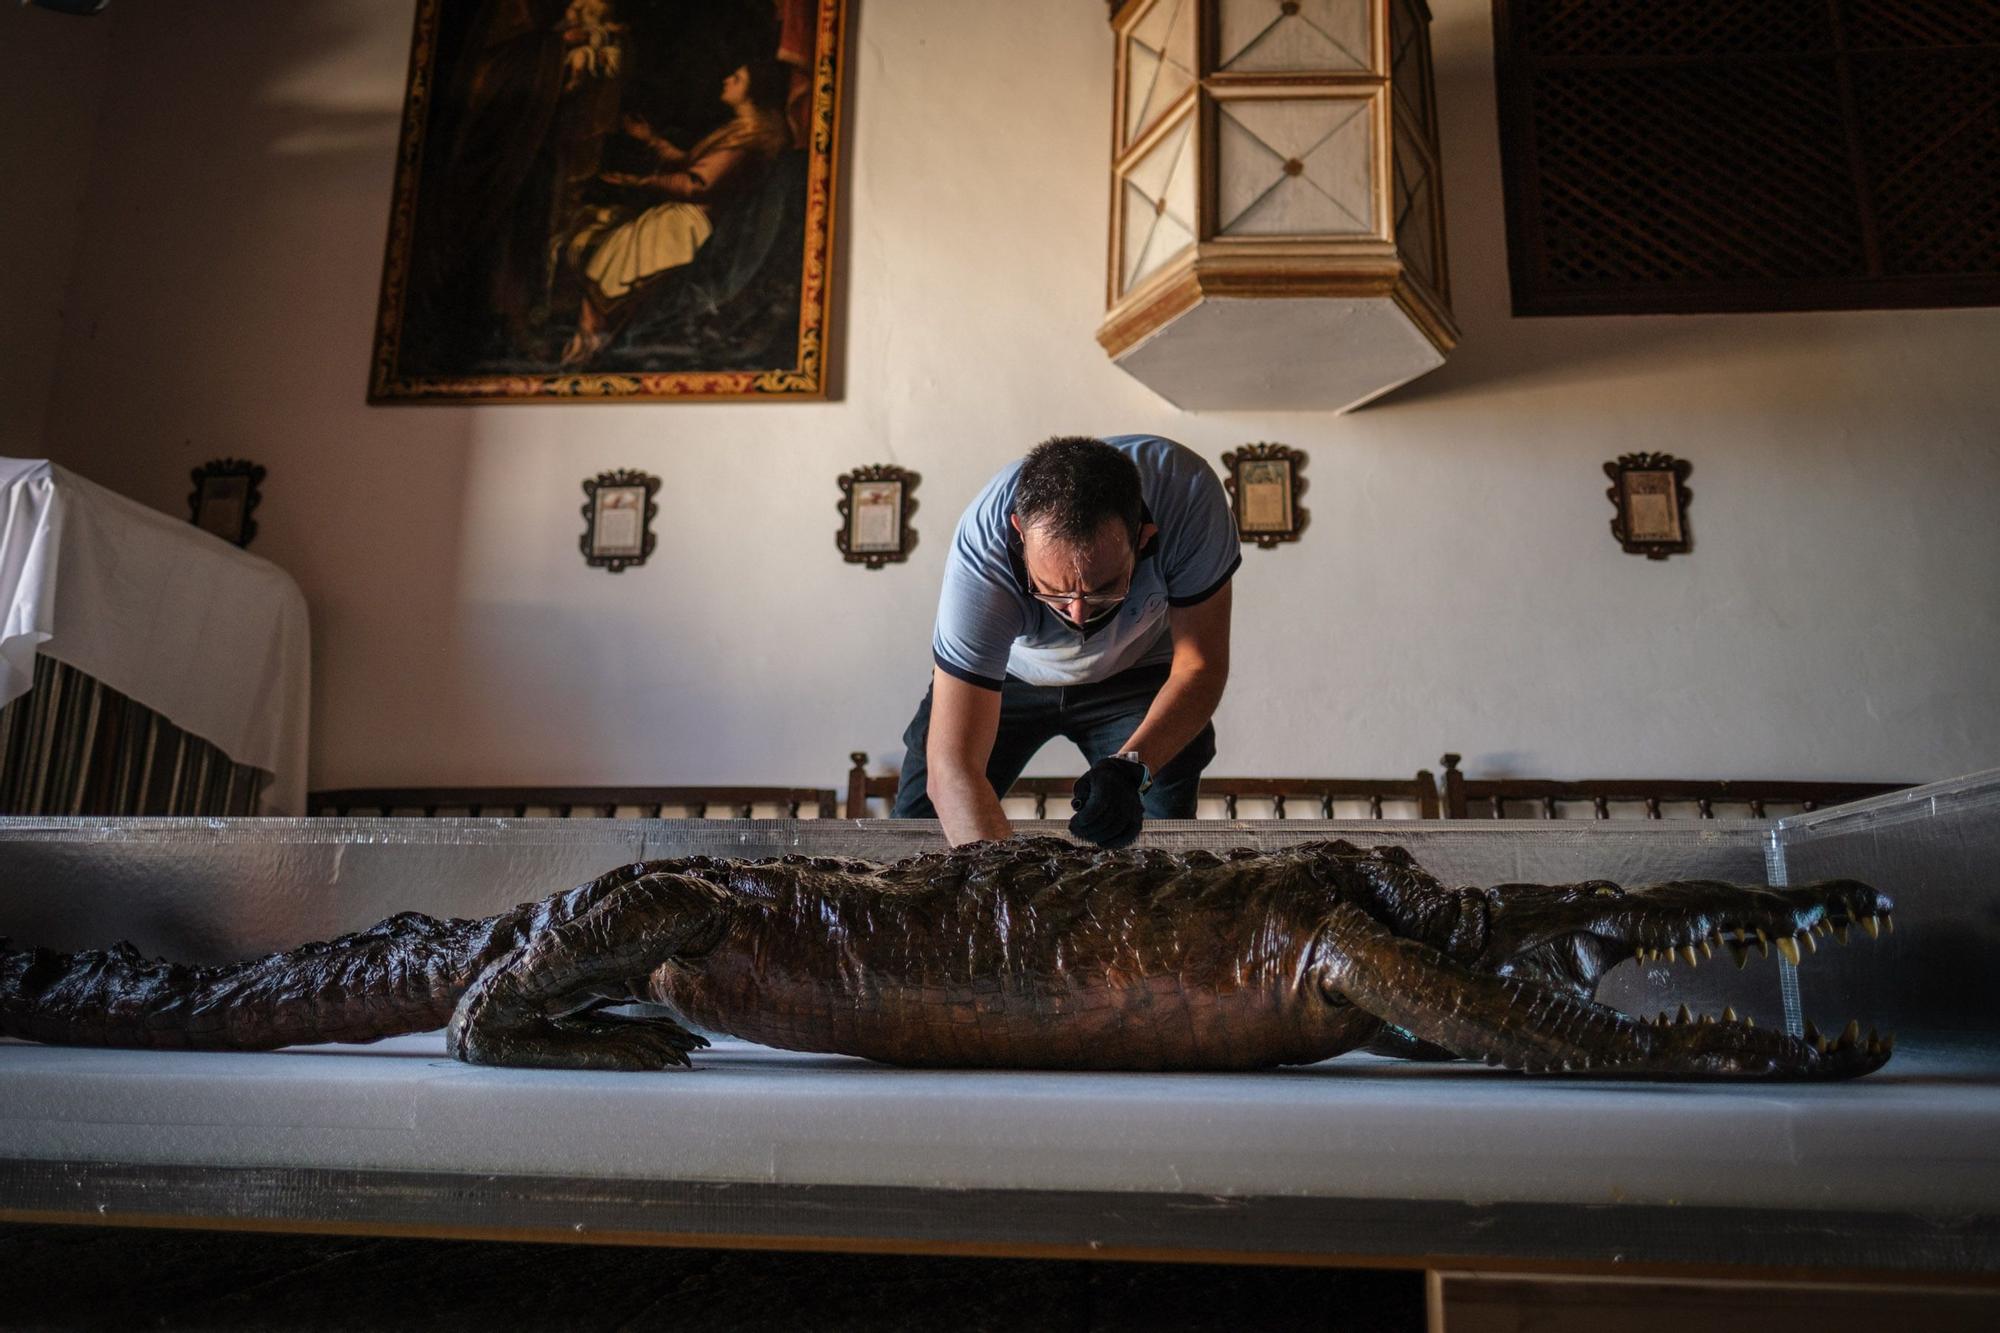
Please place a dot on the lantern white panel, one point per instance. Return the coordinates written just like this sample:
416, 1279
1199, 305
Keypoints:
1159, 204
1159, 63
1297, 354
1294, 167
1262, 36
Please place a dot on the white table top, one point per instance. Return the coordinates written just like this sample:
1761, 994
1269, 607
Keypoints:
1921, 1137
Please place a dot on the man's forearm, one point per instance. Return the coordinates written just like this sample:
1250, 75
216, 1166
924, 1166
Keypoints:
966, 806
1180, 710
964, 720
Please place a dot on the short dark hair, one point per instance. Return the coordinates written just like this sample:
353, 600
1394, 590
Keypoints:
1072, 483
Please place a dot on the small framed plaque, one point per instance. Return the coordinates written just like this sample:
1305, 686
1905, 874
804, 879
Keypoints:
618, 513
875, 510
1264, 484
1650, 496
225, 495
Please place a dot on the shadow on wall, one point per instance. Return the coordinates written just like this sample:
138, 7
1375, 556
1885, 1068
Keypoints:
234, 226
387, 559
1496, 350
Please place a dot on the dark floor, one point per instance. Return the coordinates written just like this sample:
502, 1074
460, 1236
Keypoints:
114, 1278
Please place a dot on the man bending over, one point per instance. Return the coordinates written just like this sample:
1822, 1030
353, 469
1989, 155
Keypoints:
1086, 595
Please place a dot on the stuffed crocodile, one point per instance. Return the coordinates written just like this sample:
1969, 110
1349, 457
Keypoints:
1030, 953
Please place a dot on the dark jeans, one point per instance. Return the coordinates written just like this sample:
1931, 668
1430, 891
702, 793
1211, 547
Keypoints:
1098, 718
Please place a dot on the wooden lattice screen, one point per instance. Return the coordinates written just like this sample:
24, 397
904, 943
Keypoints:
1750, 154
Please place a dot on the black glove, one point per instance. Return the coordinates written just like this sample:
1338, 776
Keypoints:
1107, 805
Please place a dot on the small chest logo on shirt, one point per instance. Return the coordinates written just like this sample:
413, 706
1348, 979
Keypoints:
1151, 607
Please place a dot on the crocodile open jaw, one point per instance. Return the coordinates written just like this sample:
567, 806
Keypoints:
1692, 923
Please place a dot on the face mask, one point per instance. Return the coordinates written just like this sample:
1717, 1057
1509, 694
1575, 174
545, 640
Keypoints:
1092, 622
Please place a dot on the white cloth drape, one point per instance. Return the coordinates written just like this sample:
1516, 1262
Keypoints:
212, 638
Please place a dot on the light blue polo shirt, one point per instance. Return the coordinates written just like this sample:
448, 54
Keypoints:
988, 626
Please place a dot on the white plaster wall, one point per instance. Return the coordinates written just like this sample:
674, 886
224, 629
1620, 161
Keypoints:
1458, 587
51, 84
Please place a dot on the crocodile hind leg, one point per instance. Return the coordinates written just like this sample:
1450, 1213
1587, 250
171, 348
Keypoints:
540, 1005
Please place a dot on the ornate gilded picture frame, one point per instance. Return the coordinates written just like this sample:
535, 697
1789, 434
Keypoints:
226, 493
618, 514
1650, 497
613, 200
875, 508
1264, 485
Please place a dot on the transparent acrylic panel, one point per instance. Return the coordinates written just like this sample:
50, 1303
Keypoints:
1936, 850
206, 891
214, 889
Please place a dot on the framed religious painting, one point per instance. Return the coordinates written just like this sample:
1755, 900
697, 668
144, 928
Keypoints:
1264, 487
226, 493
618, 514
875, 509
613, 200
1650, 497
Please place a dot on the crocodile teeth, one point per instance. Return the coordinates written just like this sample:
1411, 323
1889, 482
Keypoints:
1840, 932
1763, 943
1872, 926
1889, 922
1849, 1034
1683, 1016
1788, 948
1812, 945
1812, 1034
1740, 954
1749, 1022
1729, 1013
1689, 956
1737, 933
1707, 949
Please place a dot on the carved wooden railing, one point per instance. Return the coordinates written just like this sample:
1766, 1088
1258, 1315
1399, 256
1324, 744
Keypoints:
1545, 798
573, 802
1289, 797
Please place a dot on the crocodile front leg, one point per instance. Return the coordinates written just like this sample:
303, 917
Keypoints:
540, 1004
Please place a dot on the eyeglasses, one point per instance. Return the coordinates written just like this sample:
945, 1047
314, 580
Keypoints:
1092, 601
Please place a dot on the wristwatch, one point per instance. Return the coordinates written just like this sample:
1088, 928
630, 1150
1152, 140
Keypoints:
1145, 774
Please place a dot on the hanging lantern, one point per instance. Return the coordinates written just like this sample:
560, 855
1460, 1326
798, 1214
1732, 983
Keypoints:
1277, 226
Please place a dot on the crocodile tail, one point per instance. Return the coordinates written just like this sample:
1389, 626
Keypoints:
402, 975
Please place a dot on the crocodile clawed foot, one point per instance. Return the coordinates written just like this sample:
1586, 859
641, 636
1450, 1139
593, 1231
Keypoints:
589, 1041
600, 1041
